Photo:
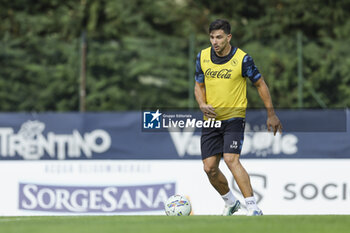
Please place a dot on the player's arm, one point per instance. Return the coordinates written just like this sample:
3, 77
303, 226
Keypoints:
250, 71
199, 91
272, 120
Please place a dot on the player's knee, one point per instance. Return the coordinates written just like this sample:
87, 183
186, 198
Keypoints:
211, 171
231, 159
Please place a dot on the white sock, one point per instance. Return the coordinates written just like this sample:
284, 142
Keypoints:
251, 203
229, 198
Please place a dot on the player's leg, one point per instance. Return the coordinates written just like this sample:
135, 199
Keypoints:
216, 178
233, 141
212, 148
219, 182
239, 173
243, 181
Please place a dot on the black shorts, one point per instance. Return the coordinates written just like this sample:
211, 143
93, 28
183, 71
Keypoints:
226, 139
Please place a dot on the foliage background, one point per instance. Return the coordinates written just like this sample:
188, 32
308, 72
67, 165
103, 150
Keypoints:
139, 51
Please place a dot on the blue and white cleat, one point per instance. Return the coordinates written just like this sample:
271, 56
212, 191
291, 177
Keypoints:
254, 212
229, 210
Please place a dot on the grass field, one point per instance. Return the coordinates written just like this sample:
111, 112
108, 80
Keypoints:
190, 224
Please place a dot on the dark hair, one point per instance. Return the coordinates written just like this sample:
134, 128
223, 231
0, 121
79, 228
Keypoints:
220, 24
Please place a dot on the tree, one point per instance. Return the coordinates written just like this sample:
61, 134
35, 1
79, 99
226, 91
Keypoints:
138, 51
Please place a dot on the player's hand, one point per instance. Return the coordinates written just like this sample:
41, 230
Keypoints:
208, 110
274, 124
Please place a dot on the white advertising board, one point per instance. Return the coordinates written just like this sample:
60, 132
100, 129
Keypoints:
287, 186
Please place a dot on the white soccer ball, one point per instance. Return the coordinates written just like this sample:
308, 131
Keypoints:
177, 205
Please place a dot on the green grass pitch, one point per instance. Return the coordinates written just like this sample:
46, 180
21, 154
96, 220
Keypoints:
184, 224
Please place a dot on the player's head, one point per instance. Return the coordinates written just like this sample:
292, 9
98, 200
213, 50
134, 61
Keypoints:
220, 24
220, 34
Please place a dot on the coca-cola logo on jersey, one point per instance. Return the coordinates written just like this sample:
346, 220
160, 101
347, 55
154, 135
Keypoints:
221, 74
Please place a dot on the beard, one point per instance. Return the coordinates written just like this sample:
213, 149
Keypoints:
221, 48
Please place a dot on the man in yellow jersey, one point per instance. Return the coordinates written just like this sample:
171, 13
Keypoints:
220, 90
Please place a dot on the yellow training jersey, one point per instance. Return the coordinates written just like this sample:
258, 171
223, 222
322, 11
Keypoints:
226, 88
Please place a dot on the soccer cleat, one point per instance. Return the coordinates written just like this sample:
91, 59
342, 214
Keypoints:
254, 212
229, 210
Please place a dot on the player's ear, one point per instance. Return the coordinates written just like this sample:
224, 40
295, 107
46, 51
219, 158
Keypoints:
229, 37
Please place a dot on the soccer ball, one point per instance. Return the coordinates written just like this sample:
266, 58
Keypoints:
177, 205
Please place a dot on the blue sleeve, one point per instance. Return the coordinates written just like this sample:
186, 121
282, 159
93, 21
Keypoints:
249, 70
199, 76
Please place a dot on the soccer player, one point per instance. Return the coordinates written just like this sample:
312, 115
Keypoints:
220, 90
